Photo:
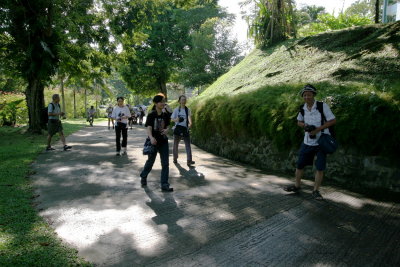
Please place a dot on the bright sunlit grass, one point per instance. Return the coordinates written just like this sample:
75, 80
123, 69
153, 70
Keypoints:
25, 238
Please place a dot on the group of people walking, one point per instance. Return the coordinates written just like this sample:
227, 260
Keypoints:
157, 123
314, 118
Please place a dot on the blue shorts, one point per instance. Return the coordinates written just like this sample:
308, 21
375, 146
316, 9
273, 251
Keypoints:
306, 157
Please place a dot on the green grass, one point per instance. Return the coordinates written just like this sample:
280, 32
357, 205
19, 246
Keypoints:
355, 70
25, 238
366, 55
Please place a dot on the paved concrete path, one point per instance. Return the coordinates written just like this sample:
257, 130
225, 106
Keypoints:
221, 213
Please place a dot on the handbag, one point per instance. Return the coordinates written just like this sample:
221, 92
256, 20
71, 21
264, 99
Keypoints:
327, 143
181, 131
149, 148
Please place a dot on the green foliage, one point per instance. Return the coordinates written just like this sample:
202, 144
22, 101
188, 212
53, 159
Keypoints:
13, 109
259, 96
362, 8
366, 116
25, 238
212, 53
272, 22
313, 11
153, 52
329, 22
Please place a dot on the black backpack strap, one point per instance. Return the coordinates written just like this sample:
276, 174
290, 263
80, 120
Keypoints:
320, 108
187, 116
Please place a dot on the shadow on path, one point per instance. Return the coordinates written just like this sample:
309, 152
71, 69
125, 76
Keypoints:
220, 214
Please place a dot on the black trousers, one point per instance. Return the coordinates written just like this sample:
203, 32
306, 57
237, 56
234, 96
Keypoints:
121, 128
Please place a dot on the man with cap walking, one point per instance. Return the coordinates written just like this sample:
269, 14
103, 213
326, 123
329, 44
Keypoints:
310, 119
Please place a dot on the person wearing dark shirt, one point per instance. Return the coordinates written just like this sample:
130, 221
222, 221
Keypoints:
157, 127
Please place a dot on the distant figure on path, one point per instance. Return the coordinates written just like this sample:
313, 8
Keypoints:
90, 115
109, 111
157, 128
311, 123
54, 124
141, 115
183, 119
121, 114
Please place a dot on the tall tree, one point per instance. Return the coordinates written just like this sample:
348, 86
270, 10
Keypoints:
37, 30
153, 51
212, 53
313, 11
377, 9
363, 8
273, 21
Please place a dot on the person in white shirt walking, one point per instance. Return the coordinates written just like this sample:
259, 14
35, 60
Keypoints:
183, 121
310, 119
109, 116
54, 124
121, 114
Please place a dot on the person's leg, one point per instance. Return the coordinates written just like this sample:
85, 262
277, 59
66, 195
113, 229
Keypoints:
124, 138
319, 175
188, 149
118, 138
148, 165
299, 174
177, 139
305, 158
62, 137
49, 140
164, 156
320, 165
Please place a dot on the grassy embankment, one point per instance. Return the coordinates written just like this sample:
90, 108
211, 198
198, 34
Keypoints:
357, 71
25, 238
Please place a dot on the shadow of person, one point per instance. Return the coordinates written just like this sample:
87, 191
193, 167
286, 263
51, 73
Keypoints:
193, 177
167, 211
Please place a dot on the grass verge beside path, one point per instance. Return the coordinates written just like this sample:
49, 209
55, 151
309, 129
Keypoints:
25, 238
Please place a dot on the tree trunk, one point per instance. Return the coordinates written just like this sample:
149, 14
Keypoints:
62, 95
163, 87
35, 101
377, 8
85, 103
75, 103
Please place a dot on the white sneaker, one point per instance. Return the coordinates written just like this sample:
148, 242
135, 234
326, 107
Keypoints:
118, 153
124, 151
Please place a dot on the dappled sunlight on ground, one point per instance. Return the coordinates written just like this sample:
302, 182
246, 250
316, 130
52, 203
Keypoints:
220, 214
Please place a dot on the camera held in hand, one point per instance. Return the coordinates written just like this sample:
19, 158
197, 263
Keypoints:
120, 115
310, 128
181, 119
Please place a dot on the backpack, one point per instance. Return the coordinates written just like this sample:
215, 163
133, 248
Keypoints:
45, 113
320, 108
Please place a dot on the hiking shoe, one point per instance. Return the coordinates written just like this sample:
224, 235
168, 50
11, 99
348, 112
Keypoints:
50, 148
316, 195
67, 147
175, 161
167, 189
291, 188
190, 162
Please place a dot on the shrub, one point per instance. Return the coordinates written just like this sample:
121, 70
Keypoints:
328, 22
367, 117
13, 109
